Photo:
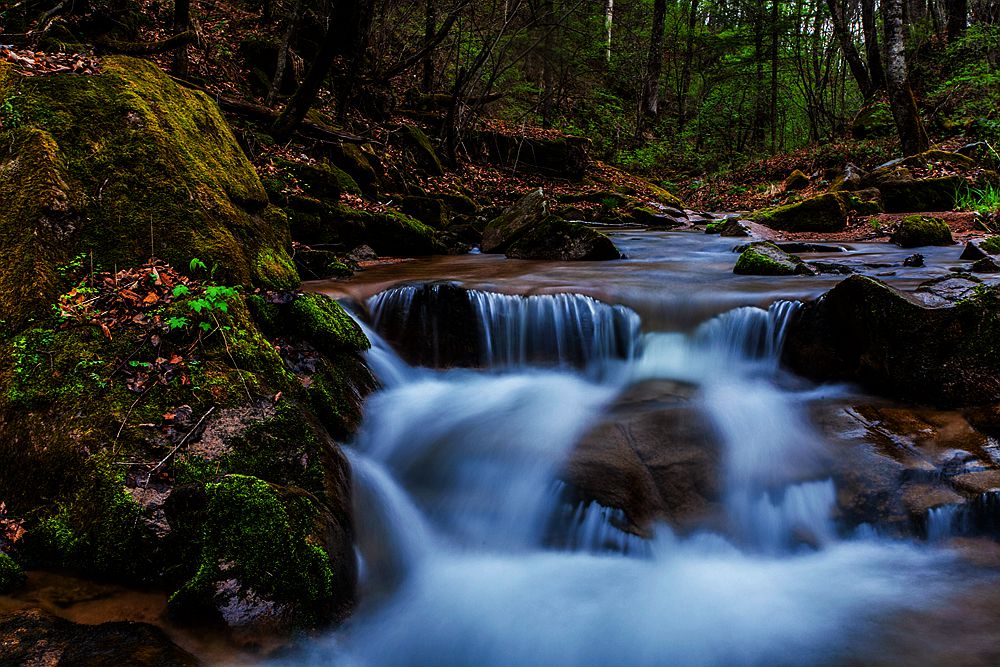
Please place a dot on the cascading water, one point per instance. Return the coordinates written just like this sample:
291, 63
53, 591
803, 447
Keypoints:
458, 493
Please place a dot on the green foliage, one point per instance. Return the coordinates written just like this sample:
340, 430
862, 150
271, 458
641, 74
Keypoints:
984, 200
11, 575
11, 115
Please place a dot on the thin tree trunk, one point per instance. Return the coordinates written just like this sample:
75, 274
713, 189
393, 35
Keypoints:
548, 24
282, 64
686, 71
609, 20
912, 136
775, 15
858, 68
649, 107
430, 29
875, 70
182, 23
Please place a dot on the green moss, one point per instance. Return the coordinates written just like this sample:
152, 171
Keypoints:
765, 259
96, 528
262, 537
422, 151
715, 227
324, 323
11, 574
926, 194
991, 245
864, 202
336, 390
824, 213
920, 230
104, 163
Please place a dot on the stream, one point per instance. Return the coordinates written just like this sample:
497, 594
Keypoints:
475, 550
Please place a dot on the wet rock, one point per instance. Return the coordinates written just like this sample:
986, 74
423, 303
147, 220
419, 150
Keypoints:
796, 181
514, 222
659, 216
915, 260
947, 290
653, 458
832, 267
914, 231
362, 253
557, 239
865, 331
319, 264
35, 637
763, 258
973, 252
986, 265
823, 213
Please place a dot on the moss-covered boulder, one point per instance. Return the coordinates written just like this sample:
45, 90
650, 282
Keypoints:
912, 185
11, 574
991, 245
904, 195
173, 432
556, 239
419, 148
796, 181
865, 331
823, 213
914, 231
766, 259
360, 163
388, 232
121, 165
864, 202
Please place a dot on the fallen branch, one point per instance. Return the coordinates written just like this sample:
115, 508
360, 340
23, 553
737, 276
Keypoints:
147, 48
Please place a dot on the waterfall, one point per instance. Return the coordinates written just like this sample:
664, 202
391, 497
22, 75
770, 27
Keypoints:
479, 556
463, 327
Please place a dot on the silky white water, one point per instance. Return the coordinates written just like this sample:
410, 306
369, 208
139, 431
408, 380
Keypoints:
456, 482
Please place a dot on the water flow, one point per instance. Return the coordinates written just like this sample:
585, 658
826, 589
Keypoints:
458, 493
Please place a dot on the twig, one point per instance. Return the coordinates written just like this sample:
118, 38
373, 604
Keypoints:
128, 413
178, 446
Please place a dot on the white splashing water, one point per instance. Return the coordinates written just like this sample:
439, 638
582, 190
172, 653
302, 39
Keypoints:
458, 483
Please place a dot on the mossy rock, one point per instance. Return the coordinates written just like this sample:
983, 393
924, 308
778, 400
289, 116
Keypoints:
991, 245
914, 231
823, 213
920, 195
321, 180
766, 259
120, 165
864, 202
389, 233
796, 181
431, 211
515, 221
11, 574
419, 146
563, 157
360, 163
556, 239
865, 331
260, 542
326, 325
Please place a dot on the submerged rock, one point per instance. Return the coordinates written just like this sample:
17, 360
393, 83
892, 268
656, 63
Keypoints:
915, 260
35, 637
986, 265
863, 330
973, 252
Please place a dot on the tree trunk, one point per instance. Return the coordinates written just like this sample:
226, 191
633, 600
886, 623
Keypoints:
430, 29
649, 107
872, 50
686, 71
182, 24
548, 25
609, 20
282, 64
912, 136
775, 15
858, 68
958, 18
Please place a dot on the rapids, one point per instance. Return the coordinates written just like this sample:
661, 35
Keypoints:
473, 552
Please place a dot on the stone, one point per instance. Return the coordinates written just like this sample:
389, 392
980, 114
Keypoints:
556, 239
865, 331
766, 259
419, 147
915, 260
823, 213
972, 251
986, 265
919, 230
797, 180
510, 225
563, 157
36, 637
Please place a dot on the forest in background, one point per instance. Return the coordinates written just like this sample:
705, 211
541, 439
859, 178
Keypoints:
674, 90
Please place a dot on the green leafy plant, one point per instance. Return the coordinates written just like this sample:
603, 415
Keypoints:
984, 200
11, 116
175, 323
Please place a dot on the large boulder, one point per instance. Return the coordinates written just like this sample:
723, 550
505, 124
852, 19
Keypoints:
174, 432
526, 230
35, 637
863, 330
121, 165
630, 463
913, 184
823, 213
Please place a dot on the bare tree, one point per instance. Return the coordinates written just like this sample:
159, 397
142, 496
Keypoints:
912, 135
